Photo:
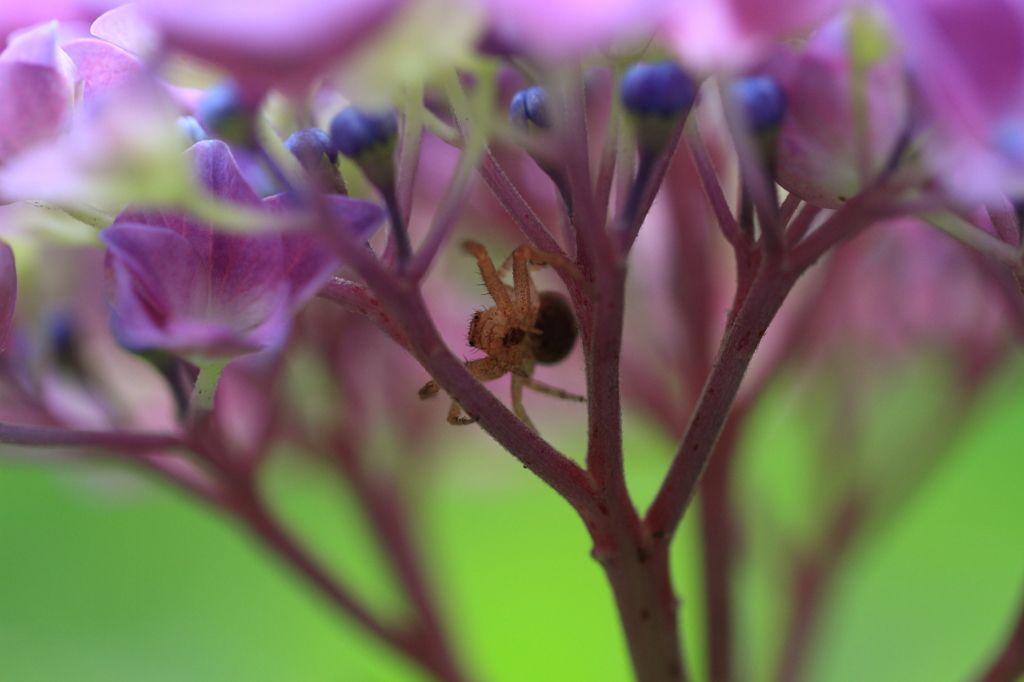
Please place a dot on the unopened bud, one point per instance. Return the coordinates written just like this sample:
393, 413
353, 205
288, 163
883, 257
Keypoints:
228, 115
369, 138
662, 89
762, 100
657, 97
528, 107
313, 148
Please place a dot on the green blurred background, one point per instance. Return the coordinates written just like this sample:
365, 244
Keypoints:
108, 577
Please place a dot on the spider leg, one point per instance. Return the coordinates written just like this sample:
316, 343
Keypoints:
495, 288
455, 417
525, 259
430, 389
541, 387
525, 290
517, 401
484, 369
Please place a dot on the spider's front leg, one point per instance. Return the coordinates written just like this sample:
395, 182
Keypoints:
526, 258
492, 281
483, 369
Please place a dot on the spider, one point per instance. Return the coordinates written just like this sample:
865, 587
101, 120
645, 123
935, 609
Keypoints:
523, 328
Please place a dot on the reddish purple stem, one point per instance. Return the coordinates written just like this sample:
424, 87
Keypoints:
1008, 665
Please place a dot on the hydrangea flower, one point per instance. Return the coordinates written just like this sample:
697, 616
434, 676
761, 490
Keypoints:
540, 27
36, 90
178, 284
820, 150
267, 43
733, 34
967, 59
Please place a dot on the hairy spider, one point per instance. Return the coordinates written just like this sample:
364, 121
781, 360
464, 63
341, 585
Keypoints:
523, 328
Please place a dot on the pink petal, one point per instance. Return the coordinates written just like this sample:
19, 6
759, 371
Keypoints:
539, 26
734, 34
268, 43
16, 15
34, 105
125, 27
103, 67
35, 96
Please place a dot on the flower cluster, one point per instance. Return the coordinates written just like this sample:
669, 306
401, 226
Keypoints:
228, 235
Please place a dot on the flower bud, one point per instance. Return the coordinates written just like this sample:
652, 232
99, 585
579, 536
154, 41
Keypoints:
313, 148
310, 146
763, 102
662, 89
368, 138
530, 106
657, 96
226, 114
357, 133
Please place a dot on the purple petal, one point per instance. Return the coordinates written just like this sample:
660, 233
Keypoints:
268, 43
34, 105
734, 34
8, 291
179, 284
820, 151
35, 95
359, 217
35, 46
166, 294
967, 58
216, 169
538, 26
103, 67
124, 27
309, 260
156, 274
17, 15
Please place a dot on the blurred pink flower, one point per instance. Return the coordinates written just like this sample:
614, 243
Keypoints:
180, 285
561, 28
733, 34
36, 90
904, 286
967, 59
18, 15
268, 43
820, 152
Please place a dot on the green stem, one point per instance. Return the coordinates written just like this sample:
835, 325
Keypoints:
205, 388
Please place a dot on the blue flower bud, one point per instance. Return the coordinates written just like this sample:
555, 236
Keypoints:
226, 114
661, 89
530, 106
763, 101
356, 132
310, 146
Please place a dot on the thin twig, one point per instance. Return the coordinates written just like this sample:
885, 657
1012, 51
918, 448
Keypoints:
768, 291
709, 182
512, 201
359, 299
125, 442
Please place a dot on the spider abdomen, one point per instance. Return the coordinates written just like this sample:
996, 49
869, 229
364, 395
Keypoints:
557, 326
